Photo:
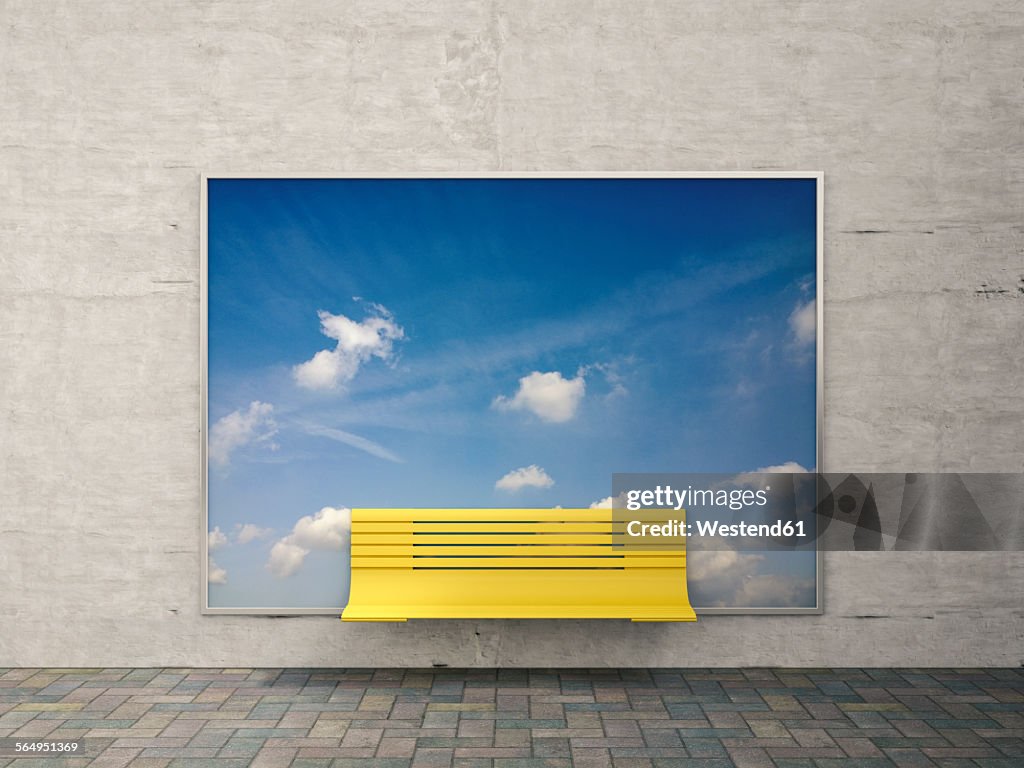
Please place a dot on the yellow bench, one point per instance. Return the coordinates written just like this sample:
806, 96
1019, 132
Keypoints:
508, 564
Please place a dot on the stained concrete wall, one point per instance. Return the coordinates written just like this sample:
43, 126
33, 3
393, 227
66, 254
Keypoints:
111, 111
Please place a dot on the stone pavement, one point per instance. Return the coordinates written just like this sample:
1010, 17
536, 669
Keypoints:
440, 718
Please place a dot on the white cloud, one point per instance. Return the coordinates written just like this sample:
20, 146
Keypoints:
789, 466
771, 589
215, 574
357, 343
286, 558
755, 477
610, 502
723, 577
239, 428
804, 323
250, 532
713, 563
329, 529
548, 396
524, 477
216, 539
717, 576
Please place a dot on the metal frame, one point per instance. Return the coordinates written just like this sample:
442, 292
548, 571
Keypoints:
819, 178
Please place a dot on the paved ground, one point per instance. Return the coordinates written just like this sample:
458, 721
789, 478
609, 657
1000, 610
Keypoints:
519, 718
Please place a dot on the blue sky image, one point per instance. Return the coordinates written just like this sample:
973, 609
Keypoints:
496, 343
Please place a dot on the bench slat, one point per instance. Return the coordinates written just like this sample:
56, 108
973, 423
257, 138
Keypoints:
514, 550
475, 515
483, 527
518, 563
488, 538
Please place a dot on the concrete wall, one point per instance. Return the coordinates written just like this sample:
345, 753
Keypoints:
111, 110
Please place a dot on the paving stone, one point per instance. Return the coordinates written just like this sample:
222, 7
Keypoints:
400, 747
477, 728
115, 758
751, 758
434, 758
270, 757
209, 738
237, 747
551, 747
504, 737
859, 747
362, 737
909, 758
329, 728
387, 718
